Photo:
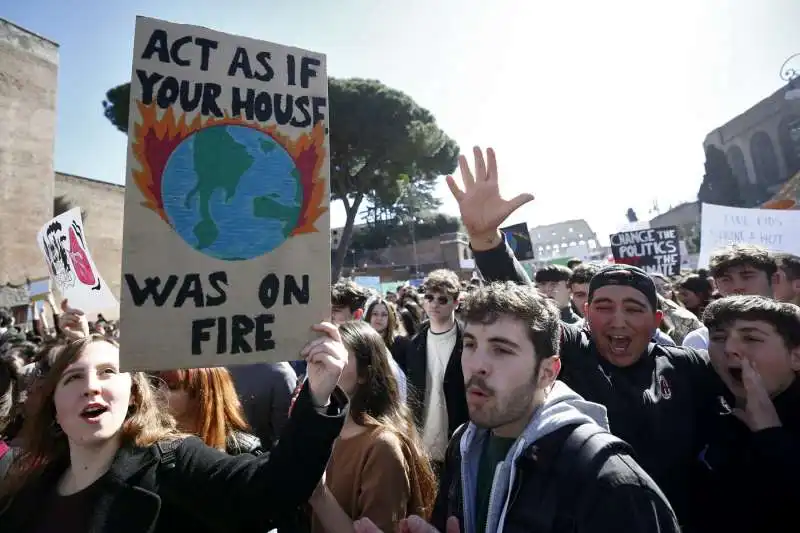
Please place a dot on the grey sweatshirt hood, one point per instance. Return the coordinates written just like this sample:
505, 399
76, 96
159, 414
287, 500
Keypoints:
562, 407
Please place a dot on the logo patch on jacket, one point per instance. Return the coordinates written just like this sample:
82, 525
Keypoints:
664, 390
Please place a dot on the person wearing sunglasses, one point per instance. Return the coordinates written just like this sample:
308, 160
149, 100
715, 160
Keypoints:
433, 366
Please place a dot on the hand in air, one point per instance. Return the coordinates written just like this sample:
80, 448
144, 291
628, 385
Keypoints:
326, 357
482, 208
759, 411
73, 322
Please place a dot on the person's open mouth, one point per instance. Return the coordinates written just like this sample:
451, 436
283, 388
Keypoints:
92, 412
619, 344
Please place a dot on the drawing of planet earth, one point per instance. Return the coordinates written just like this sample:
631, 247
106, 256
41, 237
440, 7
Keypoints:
231, 192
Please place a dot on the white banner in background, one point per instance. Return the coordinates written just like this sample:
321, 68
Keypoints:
775, 229
66, 252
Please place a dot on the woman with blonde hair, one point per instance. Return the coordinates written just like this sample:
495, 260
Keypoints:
379, 468
204, 403
102, 455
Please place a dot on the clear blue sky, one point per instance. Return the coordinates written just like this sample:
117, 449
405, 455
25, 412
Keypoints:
592, 106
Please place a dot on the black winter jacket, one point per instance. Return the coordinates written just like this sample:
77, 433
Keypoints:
749, 481
663, 405
415, 366
201, 489
623, 499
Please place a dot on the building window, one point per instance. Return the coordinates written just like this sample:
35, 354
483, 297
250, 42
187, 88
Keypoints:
765, 162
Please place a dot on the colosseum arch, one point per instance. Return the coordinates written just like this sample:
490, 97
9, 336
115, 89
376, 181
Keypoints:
765, 160
736, 160
789, 139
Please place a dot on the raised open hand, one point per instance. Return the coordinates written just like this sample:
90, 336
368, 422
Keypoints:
482, 208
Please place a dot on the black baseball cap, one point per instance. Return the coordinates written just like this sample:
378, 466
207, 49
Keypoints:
628, 276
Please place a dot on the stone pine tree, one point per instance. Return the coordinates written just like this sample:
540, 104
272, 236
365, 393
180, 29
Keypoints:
61, 205
720, 185
381, 142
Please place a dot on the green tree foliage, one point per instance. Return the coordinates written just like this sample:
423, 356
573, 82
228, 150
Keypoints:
116, 106
61, 205
720, 186
381, 142
396, 233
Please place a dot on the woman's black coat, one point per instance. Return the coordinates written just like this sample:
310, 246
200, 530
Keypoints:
201, 489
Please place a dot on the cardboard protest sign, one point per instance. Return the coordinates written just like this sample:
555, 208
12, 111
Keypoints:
773, 229
519, 239
66, 252
651, 249
226, 255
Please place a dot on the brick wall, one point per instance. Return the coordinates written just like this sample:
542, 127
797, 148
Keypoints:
28, 79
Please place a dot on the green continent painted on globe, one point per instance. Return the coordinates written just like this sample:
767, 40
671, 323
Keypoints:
219, 162
232, 192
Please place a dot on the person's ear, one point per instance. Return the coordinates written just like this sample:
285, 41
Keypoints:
794, 359
659, 316
548, 371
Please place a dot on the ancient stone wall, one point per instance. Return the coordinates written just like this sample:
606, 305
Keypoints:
28, 81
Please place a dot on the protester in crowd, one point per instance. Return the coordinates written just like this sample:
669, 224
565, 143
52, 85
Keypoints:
663, 285
677, 322
737, 269
102, 455
265, 391
347, 301
694, 291
203, 402
433, 366
11, 393
552, 281
411, 315
535, 455
786, 280
383, 317
379, 468
578, 285
659, 398
752, 457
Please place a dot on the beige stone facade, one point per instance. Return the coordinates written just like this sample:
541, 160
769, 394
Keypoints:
28, 183
28, 79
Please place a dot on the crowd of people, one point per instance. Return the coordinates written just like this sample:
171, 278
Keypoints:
593, 398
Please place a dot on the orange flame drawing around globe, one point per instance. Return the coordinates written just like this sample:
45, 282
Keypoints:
156, 138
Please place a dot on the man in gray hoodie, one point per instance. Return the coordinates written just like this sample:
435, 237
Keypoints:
505, 469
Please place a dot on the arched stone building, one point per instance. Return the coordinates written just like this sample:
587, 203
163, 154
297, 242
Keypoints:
762, 145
